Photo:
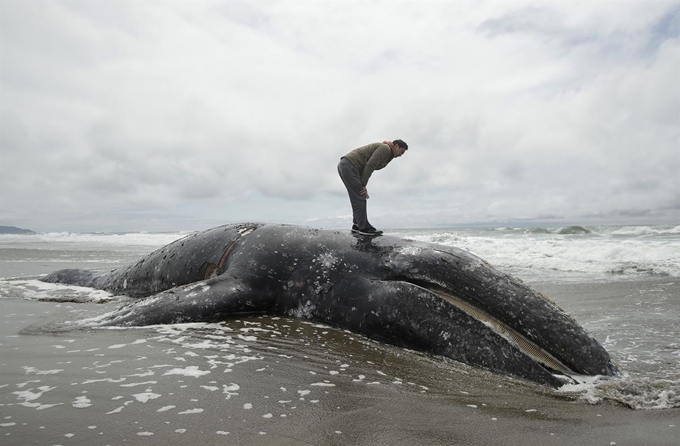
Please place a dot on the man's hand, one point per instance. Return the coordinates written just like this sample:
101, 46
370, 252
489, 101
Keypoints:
364, 192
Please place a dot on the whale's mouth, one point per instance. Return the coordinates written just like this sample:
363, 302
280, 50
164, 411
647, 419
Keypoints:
526, 346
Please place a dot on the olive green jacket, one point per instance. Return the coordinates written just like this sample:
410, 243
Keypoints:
370, 157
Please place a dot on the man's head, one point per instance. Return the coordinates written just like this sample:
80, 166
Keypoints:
399, 148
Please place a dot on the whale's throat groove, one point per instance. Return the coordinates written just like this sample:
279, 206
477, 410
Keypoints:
525, 345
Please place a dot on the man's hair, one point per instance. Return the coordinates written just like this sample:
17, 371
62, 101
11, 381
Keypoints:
400, 143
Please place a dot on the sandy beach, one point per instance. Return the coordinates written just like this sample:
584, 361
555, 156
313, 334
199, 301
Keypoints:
284, 382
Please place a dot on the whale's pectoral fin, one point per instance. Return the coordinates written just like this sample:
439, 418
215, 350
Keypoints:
80, 277
205, 301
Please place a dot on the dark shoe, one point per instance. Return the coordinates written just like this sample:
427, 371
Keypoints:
355, 228
370, 231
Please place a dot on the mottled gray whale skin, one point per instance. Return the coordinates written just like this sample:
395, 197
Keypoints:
421, 296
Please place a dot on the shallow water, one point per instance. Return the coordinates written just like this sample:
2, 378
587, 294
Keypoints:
636, 321
264, 379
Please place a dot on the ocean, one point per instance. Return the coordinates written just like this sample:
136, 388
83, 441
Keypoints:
275, 380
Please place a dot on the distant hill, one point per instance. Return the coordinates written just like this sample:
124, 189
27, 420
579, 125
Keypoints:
14, 230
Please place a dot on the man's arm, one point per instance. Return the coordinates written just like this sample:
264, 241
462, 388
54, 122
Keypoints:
380, 155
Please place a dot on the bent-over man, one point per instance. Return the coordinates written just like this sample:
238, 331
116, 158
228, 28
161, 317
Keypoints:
356, 168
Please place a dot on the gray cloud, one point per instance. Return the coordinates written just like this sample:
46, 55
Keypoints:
183, 115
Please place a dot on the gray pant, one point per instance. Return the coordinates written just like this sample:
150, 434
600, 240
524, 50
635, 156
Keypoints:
350, 176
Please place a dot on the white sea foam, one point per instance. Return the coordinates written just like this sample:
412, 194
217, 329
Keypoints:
81, 402
632, 391
600, 252
646, 230
191, 411
146, 396
187, 371
110, 239
34, 289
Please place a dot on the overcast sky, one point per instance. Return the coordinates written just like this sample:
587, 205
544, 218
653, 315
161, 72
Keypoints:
183, 115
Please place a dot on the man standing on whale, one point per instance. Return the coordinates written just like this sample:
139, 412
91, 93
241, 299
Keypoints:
355, 169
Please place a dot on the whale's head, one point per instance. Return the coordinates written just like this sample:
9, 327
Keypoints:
528, 320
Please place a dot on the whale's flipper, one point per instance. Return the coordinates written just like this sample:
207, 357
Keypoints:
206, 301
79, 277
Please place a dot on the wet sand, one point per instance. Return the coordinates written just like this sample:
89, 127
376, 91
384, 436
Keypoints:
283, 382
